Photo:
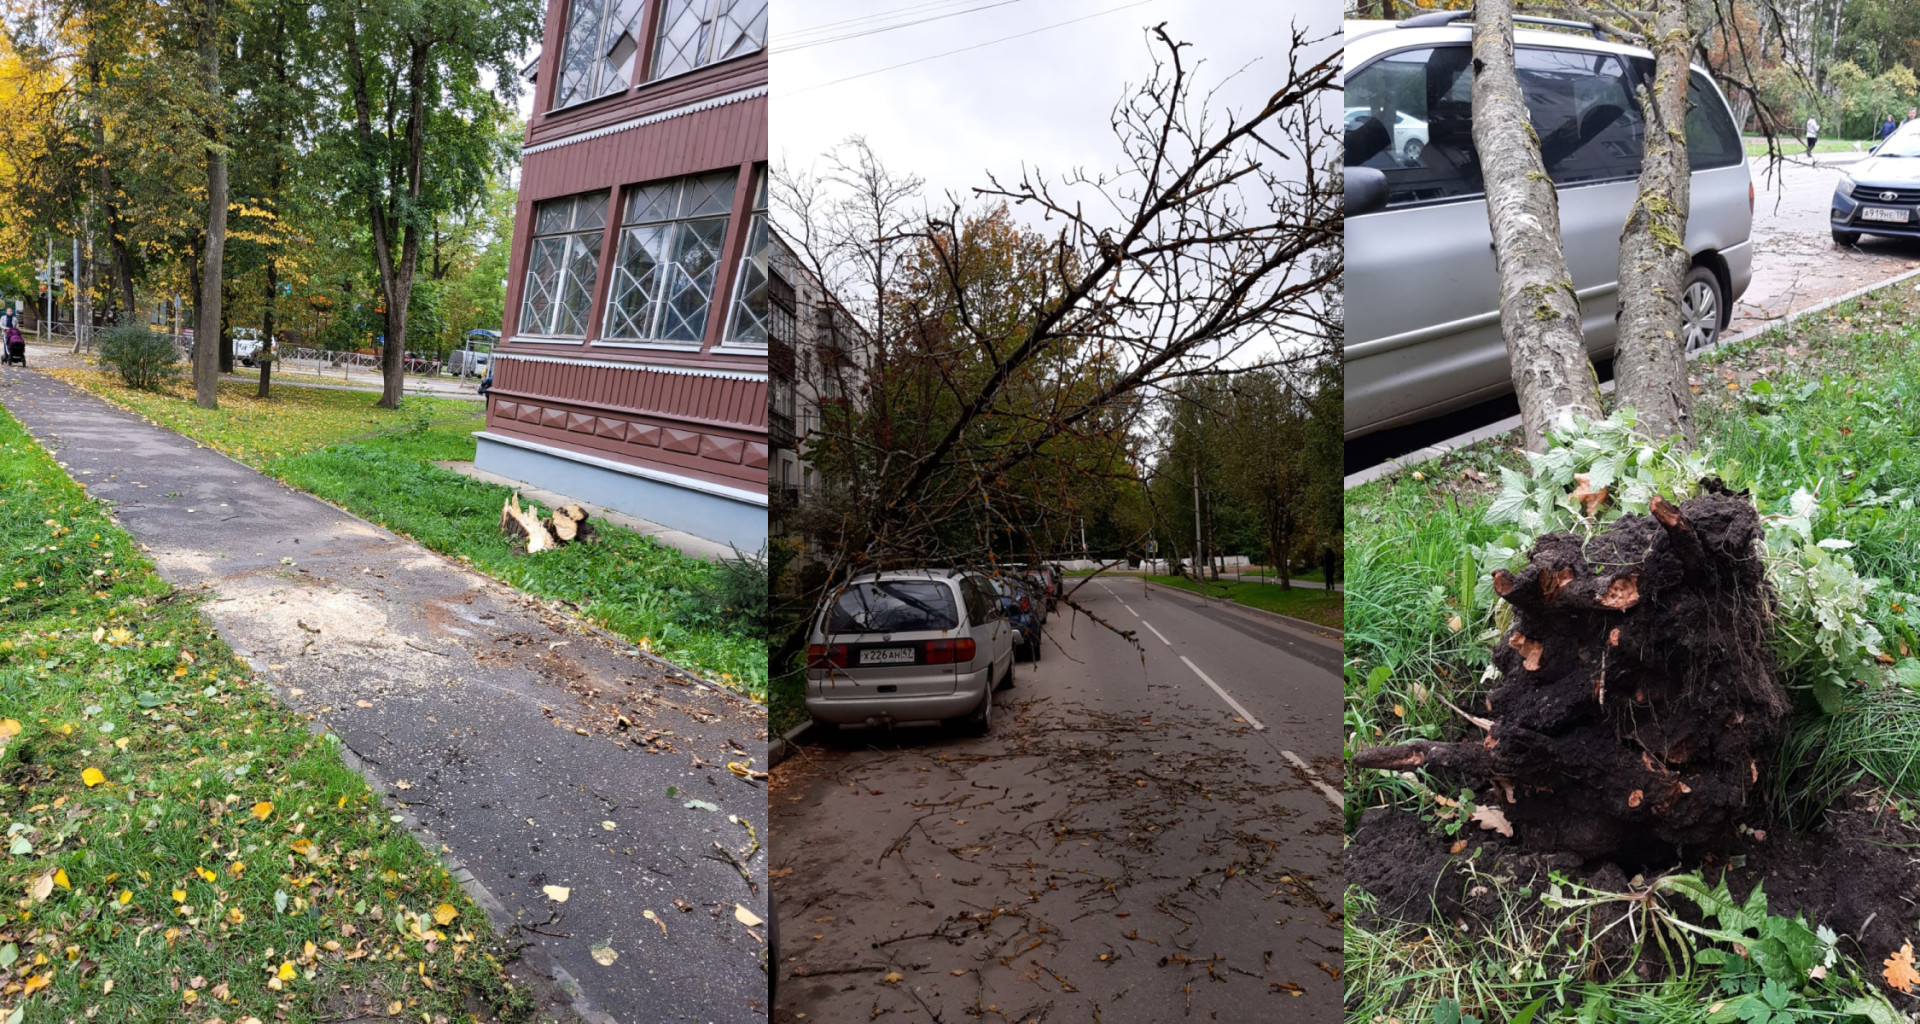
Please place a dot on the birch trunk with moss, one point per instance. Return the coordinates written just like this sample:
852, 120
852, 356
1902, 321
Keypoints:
1539, 311
1650, 364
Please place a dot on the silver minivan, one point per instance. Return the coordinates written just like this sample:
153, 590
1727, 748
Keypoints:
1422, 300
909, 645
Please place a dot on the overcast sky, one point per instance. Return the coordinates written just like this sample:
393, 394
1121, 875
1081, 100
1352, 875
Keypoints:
1043, 98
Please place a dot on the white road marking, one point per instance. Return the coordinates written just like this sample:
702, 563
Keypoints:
1163, 639
1334, 796
1224, 695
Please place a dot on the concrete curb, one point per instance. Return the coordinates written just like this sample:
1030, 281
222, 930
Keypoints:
781, 747
1442, 448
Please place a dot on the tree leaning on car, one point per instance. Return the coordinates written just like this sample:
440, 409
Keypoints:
1539, 310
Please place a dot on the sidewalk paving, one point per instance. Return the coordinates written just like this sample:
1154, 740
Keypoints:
491, 720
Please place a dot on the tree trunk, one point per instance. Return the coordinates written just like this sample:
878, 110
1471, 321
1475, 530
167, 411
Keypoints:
389, 215
1651, 361
226, 331
1539, 312
266, 329
206, 367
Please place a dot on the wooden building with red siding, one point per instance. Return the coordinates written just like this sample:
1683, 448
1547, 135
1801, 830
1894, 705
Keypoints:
632, 367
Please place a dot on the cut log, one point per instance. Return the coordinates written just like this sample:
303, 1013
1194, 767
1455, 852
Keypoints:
1637, 703
526, 523
564, 527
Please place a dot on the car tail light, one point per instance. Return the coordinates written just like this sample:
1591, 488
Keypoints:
827, 656
1749, 198
1025, 606
949, 652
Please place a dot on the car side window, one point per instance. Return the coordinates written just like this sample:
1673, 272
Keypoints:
1712, 138
1409, 115
1589, 125
979, 609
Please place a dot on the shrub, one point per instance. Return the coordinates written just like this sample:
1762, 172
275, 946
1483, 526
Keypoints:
733, 598
145, 360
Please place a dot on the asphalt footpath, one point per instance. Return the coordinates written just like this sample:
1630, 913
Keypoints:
491, 722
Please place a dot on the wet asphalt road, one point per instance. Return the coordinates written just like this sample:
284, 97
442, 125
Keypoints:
1795, 265
489, 720
1125, 846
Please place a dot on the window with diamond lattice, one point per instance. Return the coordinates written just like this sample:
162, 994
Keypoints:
749, 323
669, 258
597, 58
695, 33
563, 265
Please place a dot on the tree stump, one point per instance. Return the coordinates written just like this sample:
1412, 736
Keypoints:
1637, 702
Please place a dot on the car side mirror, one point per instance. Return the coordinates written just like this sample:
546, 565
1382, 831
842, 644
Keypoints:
1366, 190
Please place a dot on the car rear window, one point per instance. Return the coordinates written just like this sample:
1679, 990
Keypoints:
894, 606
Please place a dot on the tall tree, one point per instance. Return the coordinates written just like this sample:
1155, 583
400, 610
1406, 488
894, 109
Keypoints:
426, 133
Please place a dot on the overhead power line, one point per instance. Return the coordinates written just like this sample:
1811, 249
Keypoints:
823, 35
965, 49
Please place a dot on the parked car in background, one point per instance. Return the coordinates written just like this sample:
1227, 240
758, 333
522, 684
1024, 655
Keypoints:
1041, 580
1021, 609
910, 645
1409, 132
1881, 194
1423, 313
474, 357
247, 341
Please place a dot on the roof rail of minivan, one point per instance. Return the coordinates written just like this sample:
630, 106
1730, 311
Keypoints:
1441, 19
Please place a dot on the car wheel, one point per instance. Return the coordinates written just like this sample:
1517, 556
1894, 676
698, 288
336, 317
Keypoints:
1039, 643
1412, 150
1845, 237
1701, 304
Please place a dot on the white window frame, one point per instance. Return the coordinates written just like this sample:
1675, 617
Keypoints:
574, 237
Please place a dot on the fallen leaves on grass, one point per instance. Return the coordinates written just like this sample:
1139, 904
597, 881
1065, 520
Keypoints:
92, 777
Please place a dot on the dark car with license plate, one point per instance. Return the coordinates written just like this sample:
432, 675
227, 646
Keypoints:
910, 645
1881, 194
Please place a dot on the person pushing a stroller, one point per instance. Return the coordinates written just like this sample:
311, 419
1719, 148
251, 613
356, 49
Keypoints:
15, 344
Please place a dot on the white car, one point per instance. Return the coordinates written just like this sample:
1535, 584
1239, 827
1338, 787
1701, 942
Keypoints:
909, 645
247, 342
1409, 132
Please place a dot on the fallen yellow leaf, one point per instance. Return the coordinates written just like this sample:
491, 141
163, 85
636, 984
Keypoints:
92, 777
60, 879
286, 970
746, 917
444, 914
557, 893
263, 810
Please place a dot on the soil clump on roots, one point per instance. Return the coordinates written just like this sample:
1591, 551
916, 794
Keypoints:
1637, 703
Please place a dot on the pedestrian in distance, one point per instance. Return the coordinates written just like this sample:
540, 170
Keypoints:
1887, 129
1913, 114
16, 345
1813, 134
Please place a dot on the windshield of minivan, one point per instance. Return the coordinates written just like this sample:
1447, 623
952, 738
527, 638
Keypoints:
894, 606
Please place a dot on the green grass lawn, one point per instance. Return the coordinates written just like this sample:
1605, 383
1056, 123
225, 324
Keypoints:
1325, 607
180, 847
1834, 411
378, 464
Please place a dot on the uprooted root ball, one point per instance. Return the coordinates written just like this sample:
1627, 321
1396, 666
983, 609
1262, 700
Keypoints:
1637, 699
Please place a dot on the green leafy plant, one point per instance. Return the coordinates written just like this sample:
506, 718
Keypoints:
1824, 636
144, 360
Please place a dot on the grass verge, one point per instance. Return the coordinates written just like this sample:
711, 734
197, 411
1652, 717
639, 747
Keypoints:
180, 847
378, 464
1325, 607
